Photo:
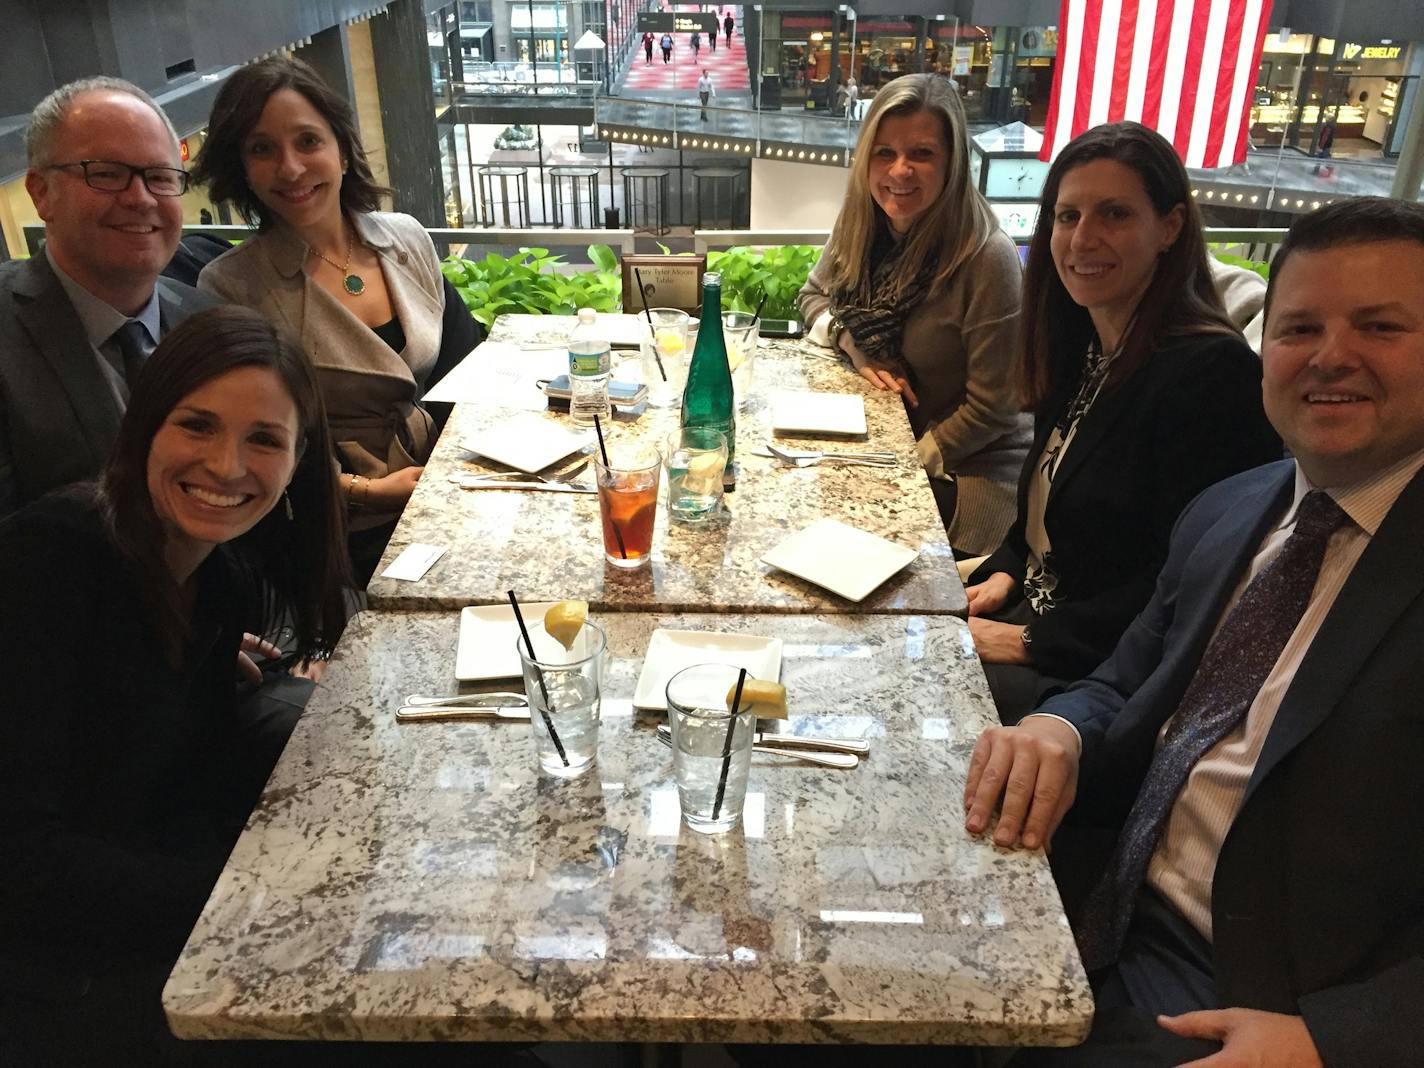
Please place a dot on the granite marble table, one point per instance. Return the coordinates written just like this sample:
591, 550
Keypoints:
423, 882
548, 546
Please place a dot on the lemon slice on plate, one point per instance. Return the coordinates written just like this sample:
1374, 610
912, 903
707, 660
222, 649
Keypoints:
564, 620
766, 699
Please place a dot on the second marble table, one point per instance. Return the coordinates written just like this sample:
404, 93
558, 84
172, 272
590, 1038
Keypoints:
422, 882
548, 546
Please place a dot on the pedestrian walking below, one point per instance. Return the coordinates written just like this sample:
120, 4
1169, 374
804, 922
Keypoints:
705, 92
666, 44
648, 48
696, 46
727, 24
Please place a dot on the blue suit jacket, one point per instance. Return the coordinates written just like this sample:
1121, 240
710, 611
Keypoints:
1318, 898
58, 413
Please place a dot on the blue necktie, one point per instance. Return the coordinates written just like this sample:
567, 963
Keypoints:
1231, 673
130, 339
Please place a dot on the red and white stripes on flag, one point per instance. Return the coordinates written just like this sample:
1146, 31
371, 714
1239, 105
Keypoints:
1186, 68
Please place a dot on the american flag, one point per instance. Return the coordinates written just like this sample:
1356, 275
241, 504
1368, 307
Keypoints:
1186, 68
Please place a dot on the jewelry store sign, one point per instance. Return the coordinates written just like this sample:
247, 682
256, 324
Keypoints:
1354, 51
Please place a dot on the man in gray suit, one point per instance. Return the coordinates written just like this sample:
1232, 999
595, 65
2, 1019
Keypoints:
78, 320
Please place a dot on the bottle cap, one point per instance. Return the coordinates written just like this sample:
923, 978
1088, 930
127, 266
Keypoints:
587, 315
712, 278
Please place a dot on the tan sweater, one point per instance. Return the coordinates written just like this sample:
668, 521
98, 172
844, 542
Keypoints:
960, 348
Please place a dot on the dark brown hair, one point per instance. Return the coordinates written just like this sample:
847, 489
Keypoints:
1352, 221
295, 568
237, 110
1181, 298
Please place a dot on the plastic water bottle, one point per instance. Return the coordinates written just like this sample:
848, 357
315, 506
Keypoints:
590, 368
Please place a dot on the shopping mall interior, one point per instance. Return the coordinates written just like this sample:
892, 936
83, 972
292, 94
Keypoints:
569, 114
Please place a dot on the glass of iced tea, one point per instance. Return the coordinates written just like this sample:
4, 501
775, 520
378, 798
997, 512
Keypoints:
628, 500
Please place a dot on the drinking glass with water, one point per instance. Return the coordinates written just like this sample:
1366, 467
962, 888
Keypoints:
711, 747
565, 688
695, 457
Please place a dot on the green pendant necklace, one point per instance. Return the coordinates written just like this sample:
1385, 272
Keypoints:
352, 282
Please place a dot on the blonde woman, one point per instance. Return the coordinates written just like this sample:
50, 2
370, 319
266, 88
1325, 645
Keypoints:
919, 287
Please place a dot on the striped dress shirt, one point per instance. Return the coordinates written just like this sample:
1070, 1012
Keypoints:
1184, 864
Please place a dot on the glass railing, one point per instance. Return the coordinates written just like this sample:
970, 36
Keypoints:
803, 132
520, 80
1253, 243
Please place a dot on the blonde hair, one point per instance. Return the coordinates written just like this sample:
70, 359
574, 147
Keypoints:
952, 230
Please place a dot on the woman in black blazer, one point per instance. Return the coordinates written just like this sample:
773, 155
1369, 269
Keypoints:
1143, 393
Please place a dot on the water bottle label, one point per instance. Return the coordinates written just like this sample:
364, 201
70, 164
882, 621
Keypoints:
587, 363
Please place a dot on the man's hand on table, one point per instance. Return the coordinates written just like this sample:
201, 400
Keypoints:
881, 378
1031, 772
1250, 1038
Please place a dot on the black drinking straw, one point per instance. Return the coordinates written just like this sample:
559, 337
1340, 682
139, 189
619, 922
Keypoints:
538, 674
760, 305
638, 274
617, 534
727, 745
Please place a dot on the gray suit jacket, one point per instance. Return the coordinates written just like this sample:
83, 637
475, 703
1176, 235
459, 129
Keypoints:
58, 413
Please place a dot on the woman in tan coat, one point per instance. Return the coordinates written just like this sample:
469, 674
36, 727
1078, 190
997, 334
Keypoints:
362, 288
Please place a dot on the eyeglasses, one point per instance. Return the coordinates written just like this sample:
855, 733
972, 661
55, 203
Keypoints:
109, 176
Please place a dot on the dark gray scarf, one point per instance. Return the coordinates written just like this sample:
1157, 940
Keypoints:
875, 319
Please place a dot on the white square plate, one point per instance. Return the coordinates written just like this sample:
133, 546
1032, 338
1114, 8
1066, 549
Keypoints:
527, 442
669, 651
794, 412
842, 559
487, 636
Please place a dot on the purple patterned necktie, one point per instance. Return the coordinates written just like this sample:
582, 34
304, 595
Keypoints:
1231, 673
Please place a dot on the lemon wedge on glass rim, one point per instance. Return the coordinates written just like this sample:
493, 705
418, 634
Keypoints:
564, 620
766, 699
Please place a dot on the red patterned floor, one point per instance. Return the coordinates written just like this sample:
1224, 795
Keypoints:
728, 66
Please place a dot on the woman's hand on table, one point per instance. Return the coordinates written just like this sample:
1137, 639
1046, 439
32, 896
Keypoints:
998, 643
392, 490
991, 594
881, 378
1030, 772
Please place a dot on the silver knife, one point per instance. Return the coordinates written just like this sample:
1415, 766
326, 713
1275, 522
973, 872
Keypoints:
416, 713
828, 745
830, 760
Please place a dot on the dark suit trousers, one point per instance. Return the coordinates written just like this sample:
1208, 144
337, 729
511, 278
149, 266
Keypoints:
1165, 967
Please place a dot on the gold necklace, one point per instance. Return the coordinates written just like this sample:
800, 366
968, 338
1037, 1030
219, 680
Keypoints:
352, 282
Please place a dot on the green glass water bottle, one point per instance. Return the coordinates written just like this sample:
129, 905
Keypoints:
707, 398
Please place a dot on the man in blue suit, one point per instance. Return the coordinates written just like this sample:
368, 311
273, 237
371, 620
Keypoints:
78, 320
1256, 739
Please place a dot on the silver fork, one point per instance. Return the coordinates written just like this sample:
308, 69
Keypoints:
800, 459
564, 477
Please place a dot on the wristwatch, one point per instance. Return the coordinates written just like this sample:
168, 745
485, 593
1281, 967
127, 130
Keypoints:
1026, 637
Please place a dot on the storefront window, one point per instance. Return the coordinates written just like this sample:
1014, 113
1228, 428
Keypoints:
1330, 98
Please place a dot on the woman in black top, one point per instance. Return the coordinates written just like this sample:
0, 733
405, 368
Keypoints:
1143, 394
125, 770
